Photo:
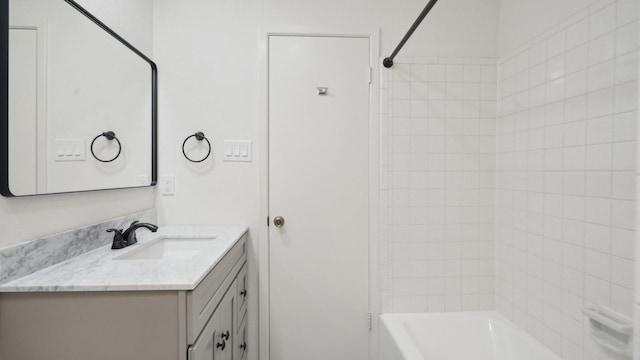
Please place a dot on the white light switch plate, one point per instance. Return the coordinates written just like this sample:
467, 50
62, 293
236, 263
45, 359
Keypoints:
237, 150
69, 150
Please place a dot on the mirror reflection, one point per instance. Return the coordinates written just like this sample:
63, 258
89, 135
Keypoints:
80, 104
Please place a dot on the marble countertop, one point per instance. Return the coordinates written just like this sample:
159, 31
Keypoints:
101, 270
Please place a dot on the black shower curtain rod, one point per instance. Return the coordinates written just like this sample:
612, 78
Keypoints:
388, 62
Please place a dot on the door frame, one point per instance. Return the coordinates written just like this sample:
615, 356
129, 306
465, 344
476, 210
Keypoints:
373, 34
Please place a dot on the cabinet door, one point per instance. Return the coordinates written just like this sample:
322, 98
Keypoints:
241, 296
240, 344
216, 339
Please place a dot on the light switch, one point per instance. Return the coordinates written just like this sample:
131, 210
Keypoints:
237, 150
69, 149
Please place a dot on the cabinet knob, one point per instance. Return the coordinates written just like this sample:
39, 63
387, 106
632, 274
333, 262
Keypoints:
221, 345
243, 293
243, 346
225, 336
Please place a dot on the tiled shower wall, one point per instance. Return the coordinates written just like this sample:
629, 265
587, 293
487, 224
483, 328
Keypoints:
565, 185
437, 185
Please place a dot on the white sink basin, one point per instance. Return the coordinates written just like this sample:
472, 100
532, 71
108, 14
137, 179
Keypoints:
169, 248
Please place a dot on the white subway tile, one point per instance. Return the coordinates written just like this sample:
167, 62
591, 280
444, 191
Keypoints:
622, 272
575, 133
576, 59
627, 11
555, 90
488, 74
622, 300
419, 72
623, 243
578, 34
602, 48
598, 211
623, 214
600, 103
602, 22
401, 90
601, 75
625, 125
597, 290
598, 184
577, 84
437, 72
626, 68
419, 90
555, 67
600, 130
575, 108
626, 97
455, 73
472, 73
624, 156
599, 157
597, 237
627, 38
556, 44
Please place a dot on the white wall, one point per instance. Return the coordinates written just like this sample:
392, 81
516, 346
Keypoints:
208, 53
28, 218
566, 164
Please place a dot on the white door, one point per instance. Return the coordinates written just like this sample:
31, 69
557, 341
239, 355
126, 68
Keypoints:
319, 185
23, 105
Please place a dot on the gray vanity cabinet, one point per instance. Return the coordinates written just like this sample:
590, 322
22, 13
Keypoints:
219, 338
128, 325
216, 339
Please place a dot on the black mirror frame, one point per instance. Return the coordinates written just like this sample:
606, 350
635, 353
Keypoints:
4, 99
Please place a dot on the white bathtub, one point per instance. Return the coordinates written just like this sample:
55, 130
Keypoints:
457, 336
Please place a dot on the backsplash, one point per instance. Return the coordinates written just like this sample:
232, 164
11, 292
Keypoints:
28, 257
437, 185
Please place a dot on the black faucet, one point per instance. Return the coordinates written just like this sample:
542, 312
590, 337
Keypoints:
127, 237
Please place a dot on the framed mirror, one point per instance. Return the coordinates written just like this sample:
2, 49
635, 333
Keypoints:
78, 103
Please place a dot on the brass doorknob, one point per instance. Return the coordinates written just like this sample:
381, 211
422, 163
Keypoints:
278, 221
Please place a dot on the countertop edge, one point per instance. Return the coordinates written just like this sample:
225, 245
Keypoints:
238, 232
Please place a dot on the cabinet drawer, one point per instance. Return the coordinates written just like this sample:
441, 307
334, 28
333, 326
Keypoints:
202, 301
241, 296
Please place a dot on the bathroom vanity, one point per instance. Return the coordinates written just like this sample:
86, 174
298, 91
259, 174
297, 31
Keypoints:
178, 294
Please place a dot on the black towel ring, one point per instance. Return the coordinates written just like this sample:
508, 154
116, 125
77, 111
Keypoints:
110, 135
199, 136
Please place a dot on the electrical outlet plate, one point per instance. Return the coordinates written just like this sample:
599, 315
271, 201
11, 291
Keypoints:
167, 185
143, 180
